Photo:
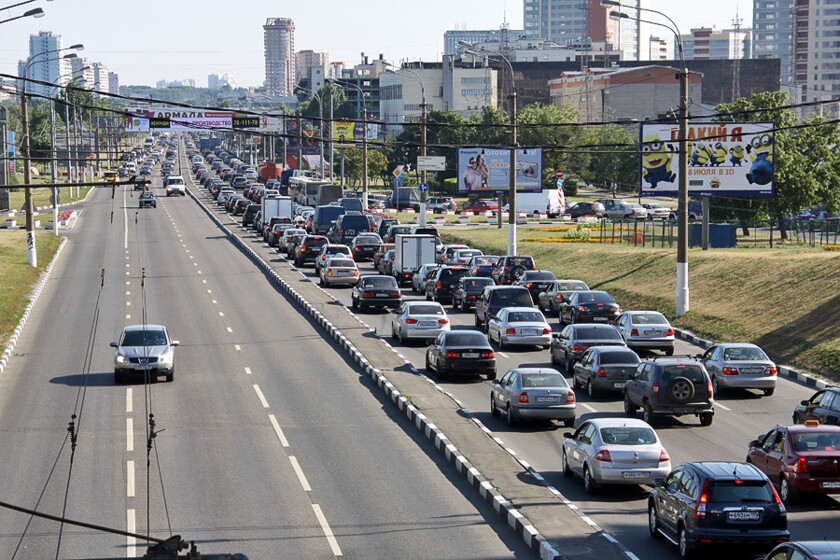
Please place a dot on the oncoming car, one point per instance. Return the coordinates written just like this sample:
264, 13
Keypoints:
144, 352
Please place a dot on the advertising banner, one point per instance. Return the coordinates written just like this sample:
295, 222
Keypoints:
724, 159
348, 134
136, 124
175, 119
487, 170
305, 138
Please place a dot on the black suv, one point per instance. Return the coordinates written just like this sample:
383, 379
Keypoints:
673, 386
467, 292
823, 406
707, 504
347, 226
249, 214
442, 284
309, 249
494, 298
510, 269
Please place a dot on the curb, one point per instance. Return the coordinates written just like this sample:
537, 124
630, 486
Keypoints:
33, 297
488, 493
785, 371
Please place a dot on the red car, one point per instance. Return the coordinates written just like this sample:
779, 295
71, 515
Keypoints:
482, 205
799, 459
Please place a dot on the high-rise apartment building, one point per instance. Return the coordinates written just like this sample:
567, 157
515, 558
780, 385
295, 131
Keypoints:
306, 60
47, 63
100, 77
216, 81
82, 73
113, 82
773, 34
816, 51
713, 44
279, 39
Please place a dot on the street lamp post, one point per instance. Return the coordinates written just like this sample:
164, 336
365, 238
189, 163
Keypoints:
35, 12
682, 295
364, 142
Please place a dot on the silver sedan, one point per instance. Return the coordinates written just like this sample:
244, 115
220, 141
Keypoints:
339, 271
533, 394
519, 325
419, 319
646, 330
614, 451
740, 365
421, 276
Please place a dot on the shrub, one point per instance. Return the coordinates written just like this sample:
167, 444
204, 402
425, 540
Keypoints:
570, 187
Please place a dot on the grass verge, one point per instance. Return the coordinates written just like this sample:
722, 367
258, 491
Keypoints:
786, 299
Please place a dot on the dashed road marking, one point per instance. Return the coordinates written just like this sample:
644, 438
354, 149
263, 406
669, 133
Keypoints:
587, 407
502, 354
277, 430
221, 314
248, 371
230, 330
130, 527
326, 528
723, 407
129, 403
260, 396
302, 477
129, 434
237, 347
129, 479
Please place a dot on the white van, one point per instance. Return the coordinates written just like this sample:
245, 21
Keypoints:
550, 201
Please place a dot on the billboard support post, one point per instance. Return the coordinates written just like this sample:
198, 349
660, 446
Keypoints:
682, 204
512, 170
705, 223
499, 212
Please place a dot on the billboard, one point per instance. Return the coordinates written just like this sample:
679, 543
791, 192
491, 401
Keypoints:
177, 119
302, 134
348, 134
10, 145
724, 159
487, 170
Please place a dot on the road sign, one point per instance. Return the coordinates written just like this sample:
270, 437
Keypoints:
559, 173
401, 177
397, 182
431, 163
559, 183
424, 187
399, 171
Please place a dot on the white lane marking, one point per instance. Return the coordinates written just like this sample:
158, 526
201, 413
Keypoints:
127, 273
587, 407
129, 403
230, 330
126, 257
129, 479
209, 291
131, 542
127, 293
204, 281
125, 219
261, 396
195, 264
128, 303
128, 316
299, 471
502, 354
192, 257
247, 371
221, 314
726, 408
128, 283
199, 270
129, 434
277, 430
237, 347
326, 528
214, 301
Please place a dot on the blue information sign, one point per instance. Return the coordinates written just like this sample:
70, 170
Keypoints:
424, 187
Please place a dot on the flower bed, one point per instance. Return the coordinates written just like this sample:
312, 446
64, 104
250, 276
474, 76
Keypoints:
831, 247
568, 240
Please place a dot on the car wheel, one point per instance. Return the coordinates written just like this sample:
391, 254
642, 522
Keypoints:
686, 550
647, 413
428, 364
564, 465
588, 481
464, 307
570, 366
393, 333
653, 522
440, 371
354, 303
494, 411
786, 493
569, 422
402, 337
682, 390
321, 281
553, 358
428, 298
669, 351
511, 419
706, 418
171, 375
590, 389
769, 392
477, 324
502, 344
715, 386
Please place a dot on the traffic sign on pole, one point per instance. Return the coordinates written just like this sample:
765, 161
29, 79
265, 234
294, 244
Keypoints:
397, 182
559, 173
424, 187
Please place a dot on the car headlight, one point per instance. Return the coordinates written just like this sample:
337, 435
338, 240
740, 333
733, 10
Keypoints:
166, 358
120, 359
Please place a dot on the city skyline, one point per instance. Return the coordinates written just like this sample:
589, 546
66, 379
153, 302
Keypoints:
192, 41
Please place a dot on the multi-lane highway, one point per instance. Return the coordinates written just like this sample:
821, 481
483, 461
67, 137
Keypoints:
740, 417
269, 442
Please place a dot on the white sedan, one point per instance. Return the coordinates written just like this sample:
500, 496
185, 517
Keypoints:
419, 319
339, 270
519, 325
646, 330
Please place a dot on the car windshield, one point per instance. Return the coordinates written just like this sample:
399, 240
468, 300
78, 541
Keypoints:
525, 316
571, 286
595, 333
425, 309
146, 337
380, 282
466, 339
817, 441
539, 276
731, 491
512, 297
336, 263
595, 297
626, 435
649, 319
543, 380
616, 357
692, 373
743, 353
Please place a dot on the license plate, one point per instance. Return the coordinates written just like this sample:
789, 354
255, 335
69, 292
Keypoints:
547, 399
652, 333
618, 385
529, 331
469, 355
599, 319
381, 295
350, 232
743, 516
635, 474
426, 324
830, 485
143, 368
752, 371
344, 273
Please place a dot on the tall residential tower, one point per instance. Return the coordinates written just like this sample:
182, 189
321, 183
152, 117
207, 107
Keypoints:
279, 56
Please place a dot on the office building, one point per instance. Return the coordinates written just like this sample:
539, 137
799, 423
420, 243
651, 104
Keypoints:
773, 34
100, 77
707, 43
306, 60
113, 82
279, 40
453, 37
49, 67
817, 54
217, 81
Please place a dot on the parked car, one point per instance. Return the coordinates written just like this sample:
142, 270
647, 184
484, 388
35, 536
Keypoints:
441, 286
480, 206
740, 365
670, 386
568, 345
823, 406
535, 281
421, 276
592, 306
509, 269
309, 249
419, 319
533, 394
144, 352
439, 204
376, 291
656, 211
603, 369
468, 290
614, 451
339, 270
520, 326
805, 550
461, 352
556, 293
585, 209
626, 211
147, 200
483, 265
494, 298
328, 251
723, 505
647, 330
365, 245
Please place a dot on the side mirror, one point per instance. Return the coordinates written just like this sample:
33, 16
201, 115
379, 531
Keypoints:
112, 344
497, 382
805, 403
568, 435
174, 343
698, 356
754, 443
659, 482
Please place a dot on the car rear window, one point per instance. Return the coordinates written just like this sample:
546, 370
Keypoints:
649, 319
342, 263
144, 338
316, 242
816, 441
514, 297
741, 491
329, 213
692, 373
744, 353
595, 297
571, 286
628, 436
521, 261
485, 260
532, 380
401, 230
540, 276
380, 282
367, 240
468, 252
595, 333
478, 283
523, 316
614, 357
425, 309
358, 223
452, 274
466, 339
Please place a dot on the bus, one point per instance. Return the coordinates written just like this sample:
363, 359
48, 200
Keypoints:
110, 176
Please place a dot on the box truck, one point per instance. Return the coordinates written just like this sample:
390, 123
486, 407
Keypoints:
410, 253
550, 201
276, 207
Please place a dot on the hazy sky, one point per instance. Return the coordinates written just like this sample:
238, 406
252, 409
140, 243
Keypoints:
152, 40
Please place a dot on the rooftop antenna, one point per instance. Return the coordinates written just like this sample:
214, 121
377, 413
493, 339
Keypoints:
736, 64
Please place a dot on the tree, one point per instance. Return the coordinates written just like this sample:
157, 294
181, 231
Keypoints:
613, 158
353, 164
553, 138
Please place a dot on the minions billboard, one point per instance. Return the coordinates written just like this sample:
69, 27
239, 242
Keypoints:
724, 159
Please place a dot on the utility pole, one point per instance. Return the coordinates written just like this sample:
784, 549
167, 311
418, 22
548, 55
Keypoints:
364, 156
4, 168
31, 254
53, 166
423, 194
512, 178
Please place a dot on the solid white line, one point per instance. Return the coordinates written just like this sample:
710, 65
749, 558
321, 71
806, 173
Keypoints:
125, 219
248, 371
129, 434
727, 409
326, 528
277, 430
131, 542
302, 477
587, 407
129, 479
221, 314
261, 396
502, 354
129, 395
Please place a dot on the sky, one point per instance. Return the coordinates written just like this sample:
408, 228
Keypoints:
155, 40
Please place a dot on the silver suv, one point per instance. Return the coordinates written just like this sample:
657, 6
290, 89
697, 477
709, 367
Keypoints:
144, 351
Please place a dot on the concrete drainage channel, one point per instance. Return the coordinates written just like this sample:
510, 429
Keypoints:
548, 523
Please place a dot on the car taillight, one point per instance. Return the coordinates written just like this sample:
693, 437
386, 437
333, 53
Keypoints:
329, 273
770, 371
546, 331
439, 285
411, 321
443, 321
582, 308
396, 294
710, 389
655, 389
510, 331
570, 397
368, 294
604, 456
730, 371
670, 332
700, 511
523, 397
529, 285
634, 332
559, 297
663, 456
778, 500
488, 354
601, 372
452, 354
801, 465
